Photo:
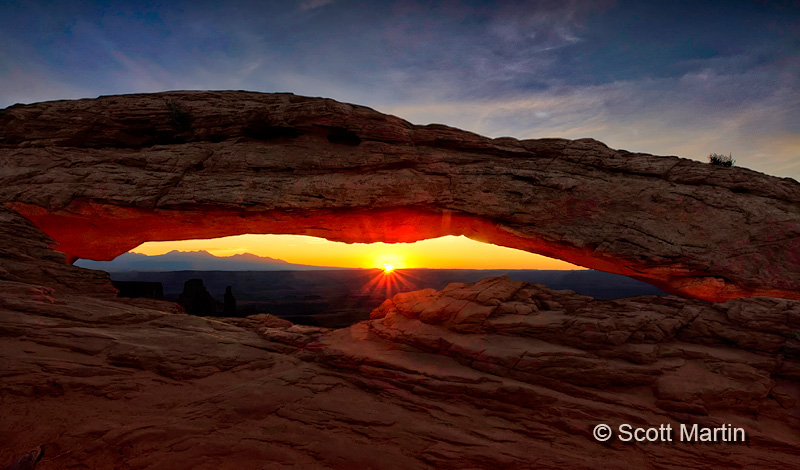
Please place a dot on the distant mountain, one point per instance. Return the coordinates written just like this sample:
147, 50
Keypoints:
194, 261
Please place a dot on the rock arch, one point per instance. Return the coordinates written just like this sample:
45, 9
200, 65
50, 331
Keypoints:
101, 176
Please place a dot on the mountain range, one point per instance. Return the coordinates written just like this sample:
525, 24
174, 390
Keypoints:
194, 261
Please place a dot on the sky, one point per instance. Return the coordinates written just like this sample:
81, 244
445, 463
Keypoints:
685, 78
443, 253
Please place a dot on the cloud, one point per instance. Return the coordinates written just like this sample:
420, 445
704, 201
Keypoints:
481, 51
543, 24
754, 115
311, 4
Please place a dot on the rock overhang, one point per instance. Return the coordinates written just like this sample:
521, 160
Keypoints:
102, 176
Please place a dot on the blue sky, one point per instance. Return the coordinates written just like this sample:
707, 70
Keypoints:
671, 78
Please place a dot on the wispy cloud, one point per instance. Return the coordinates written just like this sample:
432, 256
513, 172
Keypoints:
311, 4
690, 116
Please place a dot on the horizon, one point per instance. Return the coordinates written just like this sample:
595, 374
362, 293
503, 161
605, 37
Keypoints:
437, 253
282, 261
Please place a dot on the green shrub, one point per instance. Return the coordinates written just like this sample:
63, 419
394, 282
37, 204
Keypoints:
721, 160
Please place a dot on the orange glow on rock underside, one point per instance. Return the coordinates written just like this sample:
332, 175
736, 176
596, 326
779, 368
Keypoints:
360, 239
92, 230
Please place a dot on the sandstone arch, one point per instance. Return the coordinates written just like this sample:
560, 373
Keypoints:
104, 175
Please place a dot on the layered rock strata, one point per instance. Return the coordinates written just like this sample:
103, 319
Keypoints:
102, 176
498, 374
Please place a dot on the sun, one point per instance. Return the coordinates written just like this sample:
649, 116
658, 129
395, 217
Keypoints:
389, 263
391, 277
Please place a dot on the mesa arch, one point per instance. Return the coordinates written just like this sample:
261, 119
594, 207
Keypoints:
100, 176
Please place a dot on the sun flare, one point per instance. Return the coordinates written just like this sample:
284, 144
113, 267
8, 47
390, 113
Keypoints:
389, 262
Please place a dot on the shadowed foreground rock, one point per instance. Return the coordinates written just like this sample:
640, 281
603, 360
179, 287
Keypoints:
134, 289
493, 375
105, 175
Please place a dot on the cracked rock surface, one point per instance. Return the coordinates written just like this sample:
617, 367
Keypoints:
497, 374
101, 176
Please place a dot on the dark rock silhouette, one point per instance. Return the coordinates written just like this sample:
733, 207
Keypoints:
137, 289
230, 303
338, 298
196, 300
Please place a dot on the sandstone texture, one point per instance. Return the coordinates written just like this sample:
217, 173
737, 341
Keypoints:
493, 375
101, 176
498, 374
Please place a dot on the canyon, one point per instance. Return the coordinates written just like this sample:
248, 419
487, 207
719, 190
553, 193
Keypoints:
493, 374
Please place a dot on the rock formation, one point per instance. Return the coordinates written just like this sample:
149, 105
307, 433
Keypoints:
497, 374
229, 308
196, 299
102, 176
